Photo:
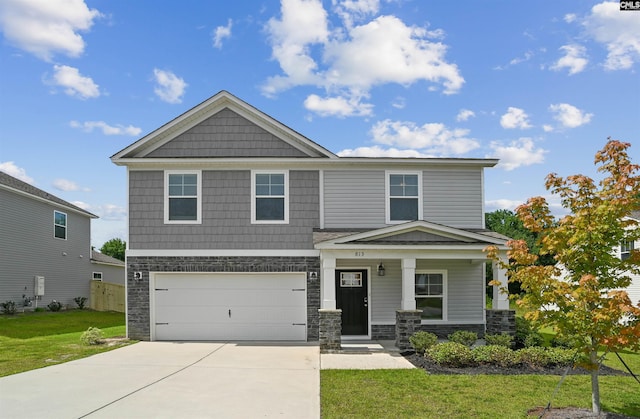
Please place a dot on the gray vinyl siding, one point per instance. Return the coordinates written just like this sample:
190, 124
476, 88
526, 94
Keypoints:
453, 196
28, 248
465, 288
111, 274
354, 198
226, 214
226, 134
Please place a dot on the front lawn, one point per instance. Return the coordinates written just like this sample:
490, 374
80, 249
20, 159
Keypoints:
35, 340
416, 394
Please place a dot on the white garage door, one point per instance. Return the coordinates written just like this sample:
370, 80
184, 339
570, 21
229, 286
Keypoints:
229, 306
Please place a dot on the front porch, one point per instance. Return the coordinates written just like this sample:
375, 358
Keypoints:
387, 284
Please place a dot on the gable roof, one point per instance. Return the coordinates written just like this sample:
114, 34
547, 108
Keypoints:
220, 101
101, 258
414, 233
15, 185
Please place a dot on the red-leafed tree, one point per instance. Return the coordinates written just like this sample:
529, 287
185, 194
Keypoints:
583, 294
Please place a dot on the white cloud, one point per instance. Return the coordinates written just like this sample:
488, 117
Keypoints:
111, 212
44, 28
569, 116
464, 115
351, 59
89, 126
496, 204
221, 33
574, 59
570, 17
515, 118
547, 128
618, 31
11, 169
337, 106
65, 185
377, 151
74, 83
433, 138
521, 152
169, 87
399, 103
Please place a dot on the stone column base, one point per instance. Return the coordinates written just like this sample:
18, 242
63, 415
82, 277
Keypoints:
330, 330
501, 321
407, 323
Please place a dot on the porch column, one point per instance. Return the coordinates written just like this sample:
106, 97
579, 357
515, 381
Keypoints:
328, 288
408, 284
500, 298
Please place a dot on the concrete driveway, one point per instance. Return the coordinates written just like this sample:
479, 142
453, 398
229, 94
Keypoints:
171, 380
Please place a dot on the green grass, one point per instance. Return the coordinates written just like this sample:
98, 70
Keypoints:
416, 394
34, 340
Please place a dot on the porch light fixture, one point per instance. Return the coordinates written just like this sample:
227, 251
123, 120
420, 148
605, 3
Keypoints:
381, 270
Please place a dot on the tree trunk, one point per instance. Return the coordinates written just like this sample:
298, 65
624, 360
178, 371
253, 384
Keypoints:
595, 386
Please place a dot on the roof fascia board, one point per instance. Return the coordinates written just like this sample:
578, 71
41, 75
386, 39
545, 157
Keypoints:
50, 202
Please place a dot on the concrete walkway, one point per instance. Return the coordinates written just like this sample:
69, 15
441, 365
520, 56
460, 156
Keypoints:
365, 356
171, 380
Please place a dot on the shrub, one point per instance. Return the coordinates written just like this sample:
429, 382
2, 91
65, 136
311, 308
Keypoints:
80, 301
495, 355
54, 305
92, 336
526, 336
503, 339
534, 356
452, 354
562, 357
8, 307
463, 337
566, 342
534, 339
422, 340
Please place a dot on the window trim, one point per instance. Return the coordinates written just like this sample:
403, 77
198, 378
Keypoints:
254, 173
96, 276
65, 226
198, 197
445, 293
626, 248
387, 177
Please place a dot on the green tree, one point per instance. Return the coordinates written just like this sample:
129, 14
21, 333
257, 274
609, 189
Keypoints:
582, 295
115, 248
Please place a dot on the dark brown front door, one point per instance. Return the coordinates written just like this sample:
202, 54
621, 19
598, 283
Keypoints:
351, 298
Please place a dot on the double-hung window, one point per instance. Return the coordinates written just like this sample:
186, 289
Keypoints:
404, 197
431, 294
625, 249
183, 197
59, 225
270, 197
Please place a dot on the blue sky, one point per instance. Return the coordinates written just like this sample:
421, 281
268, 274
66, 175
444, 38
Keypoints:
540, 85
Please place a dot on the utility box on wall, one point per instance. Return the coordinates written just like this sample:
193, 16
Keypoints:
39, 286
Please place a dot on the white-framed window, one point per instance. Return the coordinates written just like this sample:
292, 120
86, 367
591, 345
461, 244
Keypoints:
625, 249
59, 225
183, 197
403, 197
97, 276
431, 294
269, 197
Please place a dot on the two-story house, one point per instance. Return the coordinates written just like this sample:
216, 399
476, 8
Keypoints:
45, 246
240, 228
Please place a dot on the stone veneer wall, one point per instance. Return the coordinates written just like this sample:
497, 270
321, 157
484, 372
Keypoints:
407, 323
330, 330
501, 321
138, 305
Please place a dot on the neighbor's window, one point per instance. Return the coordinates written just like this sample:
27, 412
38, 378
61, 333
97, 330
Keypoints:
97, 276
625, 249
404, 192
270, 201
431, 290
60, 225
183, 197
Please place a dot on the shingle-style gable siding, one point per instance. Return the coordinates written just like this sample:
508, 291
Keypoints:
226, 134
414, 237
226, 214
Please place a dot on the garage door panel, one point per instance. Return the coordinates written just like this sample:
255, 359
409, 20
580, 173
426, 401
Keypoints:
230, 306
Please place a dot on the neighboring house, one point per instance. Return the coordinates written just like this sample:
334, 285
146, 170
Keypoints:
45, 246
624, 251
240, 228
107, 268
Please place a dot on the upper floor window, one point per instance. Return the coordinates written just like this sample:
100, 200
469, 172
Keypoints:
404, 197
431, 294
59, 225
183, 197
625, 249
270, 197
